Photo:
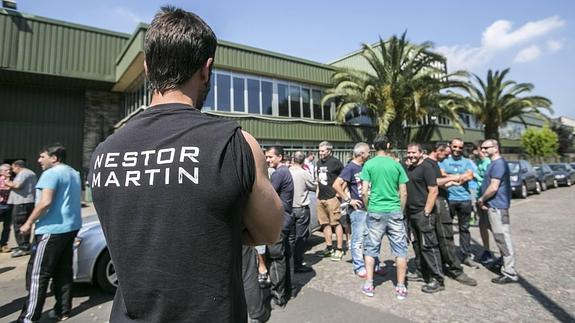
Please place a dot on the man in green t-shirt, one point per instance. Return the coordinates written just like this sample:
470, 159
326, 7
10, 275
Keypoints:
482, 163
384, 192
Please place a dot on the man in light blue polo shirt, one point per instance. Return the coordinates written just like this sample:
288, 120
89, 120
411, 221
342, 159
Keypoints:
58, 218
459, 196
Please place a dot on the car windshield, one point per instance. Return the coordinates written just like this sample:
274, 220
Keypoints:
538, 170
558, 167
514, 168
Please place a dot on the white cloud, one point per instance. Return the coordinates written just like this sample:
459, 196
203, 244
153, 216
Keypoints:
499, 35
497, 38
527, 54
127, 14
554, 45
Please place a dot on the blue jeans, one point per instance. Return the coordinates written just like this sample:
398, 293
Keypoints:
358, 233
390, 223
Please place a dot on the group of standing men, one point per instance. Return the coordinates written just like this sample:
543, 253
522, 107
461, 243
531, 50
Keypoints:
51, 208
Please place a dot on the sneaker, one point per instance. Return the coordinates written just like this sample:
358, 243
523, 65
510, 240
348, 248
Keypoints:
432, 287
466, 280
367, 290
414, 277
380, 271
302, 269
52, 314
468, 261
19, 253
486, 257
327, 252
5, 249
337, 255
502, 280
401, 292
361, 273
264, 280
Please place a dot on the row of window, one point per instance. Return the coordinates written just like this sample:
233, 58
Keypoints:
232, 92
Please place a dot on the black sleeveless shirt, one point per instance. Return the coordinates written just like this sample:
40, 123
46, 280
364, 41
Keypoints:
169, 189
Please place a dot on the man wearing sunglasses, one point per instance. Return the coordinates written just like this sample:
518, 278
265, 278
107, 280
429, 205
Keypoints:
496, 200
459, 196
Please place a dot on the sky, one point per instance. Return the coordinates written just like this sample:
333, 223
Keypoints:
535, 39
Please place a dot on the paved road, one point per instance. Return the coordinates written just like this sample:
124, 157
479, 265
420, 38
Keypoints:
543, 228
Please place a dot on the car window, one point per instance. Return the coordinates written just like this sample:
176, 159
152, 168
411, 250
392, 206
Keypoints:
558, 167
514, 167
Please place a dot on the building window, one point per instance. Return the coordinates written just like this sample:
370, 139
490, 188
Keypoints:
239, 90
327, 111
295, 106
209, 102
283, 103
223, 92
254, 96
305, 103
267, 98
316, 101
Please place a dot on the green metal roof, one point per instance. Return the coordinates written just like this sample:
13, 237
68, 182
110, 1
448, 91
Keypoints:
45, 46
278, 128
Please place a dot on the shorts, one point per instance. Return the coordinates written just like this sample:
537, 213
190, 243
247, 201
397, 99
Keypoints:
328, 211
390, 223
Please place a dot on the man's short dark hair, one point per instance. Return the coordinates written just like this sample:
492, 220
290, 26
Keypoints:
277, 150
178, 43
414, 144
381, 142
440, 145
56, 150
19, 163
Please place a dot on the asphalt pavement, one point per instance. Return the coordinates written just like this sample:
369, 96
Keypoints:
543, 227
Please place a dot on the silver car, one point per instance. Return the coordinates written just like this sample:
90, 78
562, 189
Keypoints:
92, 263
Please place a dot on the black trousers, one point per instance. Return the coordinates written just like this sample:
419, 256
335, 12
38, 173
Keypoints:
281, 269
462, 209
257, 299
444, 229
20, 214
426, 245
6, 218
300, 232
51, 259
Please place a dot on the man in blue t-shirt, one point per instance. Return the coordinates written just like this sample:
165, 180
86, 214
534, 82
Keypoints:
459, 196
348, 186
496, 200
58, 218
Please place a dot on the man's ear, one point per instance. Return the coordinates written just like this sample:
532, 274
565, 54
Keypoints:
205, 74
145, 68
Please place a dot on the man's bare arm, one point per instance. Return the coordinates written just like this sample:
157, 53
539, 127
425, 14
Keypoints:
46, 198
432, 192
402, 196
364, 193
491, 189
263, 216
339, 185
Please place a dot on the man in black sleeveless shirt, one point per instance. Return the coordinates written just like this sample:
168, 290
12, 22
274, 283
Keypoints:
177, 191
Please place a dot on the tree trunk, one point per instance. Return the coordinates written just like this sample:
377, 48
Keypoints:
397, 135
491, 132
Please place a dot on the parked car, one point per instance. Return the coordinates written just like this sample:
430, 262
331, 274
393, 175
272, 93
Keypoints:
92, 262
564, 174
523, 178
546, 176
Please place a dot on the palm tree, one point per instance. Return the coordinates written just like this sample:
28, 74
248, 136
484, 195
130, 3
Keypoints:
404, 84
497, 101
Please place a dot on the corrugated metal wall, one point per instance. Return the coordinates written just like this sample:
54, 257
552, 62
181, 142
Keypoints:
33, 117
39, 45
242, 58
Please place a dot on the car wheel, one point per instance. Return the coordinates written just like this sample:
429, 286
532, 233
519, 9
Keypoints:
537, 188
544, 186
106, 276
555, 183
523, 191
569, 183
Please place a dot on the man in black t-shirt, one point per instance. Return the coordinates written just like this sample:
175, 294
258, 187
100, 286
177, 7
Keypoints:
328, 212
444, 223
421, 194
280, 252
178, 192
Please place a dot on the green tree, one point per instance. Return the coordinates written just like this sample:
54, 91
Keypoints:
540, 142
497, 101
404, 84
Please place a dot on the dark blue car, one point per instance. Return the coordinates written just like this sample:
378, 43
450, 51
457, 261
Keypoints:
564, 174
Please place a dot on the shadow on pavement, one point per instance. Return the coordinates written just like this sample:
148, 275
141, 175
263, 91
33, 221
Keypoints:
550, 305
6, 269
95, 297
12, 307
